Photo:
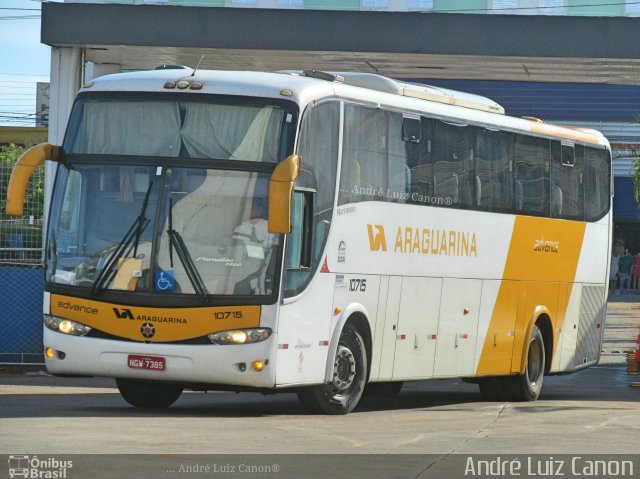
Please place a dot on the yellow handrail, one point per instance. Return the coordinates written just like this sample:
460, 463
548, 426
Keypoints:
22, 171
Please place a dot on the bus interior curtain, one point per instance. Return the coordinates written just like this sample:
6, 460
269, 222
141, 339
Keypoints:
230, 132
130, 128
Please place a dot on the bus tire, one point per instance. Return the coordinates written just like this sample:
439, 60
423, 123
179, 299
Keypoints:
343, 393
148, 394
383, 390
527, 386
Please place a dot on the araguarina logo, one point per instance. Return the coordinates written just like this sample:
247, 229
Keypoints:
123, 313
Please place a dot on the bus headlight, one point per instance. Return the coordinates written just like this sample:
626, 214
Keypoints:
240, 336
65, 326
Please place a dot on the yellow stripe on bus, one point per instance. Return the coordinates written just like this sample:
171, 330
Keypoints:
169, 324
538, 278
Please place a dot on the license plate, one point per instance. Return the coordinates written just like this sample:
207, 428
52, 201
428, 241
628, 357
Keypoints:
154, 363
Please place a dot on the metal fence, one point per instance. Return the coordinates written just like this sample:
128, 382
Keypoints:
21, 314
21, 238
21, 271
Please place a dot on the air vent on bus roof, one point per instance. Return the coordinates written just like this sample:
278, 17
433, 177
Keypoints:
423, 92
381, 83
171, 67
320, 75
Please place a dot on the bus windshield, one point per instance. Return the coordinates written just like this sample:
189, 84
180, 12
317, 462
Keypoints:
171, 229
168, 194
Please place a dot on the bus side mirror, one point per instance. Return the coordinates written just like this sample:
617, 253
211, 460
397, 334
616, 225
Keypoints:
22, 171
280, 190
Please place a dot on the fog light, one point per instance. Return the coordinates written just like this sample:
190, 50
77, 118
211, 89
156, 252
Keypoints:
242, 367
258, 365
49, 353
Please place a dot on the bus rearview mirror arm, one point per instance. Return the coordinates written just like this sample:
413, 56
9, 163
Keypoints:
22, 171
280, 191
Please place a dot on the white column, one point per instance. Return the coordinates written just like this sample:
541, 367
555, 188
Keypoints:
66, 72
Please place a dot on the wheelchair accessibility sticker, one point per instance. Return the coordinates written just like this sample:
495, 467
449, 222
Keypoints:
165, 281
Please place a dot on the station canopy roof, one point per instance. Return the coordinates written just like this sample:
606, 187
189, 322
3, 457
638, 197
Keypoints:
406, 45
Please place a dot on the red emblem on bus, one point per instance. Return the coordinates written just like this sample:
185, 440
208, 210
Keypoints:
148, 330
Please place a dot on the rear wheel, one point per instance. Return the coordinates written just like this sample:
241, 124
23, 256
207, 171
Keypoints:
148, 394
527, 386
343, 393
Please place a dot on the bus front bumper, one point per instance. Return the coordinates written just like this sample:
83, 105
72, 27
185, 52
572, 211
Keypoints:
207, 364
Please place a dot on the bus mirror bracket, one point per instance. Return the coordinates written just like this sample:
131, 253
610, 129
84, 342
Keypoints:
280, 194
22, 171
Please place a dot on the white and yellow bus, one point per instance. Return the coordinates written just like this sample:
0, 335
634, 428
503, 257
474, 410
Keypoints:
318, 233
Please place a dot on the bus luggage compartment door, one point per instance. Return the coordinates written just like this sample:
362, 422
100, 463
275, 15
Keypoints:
416, 335
457, 327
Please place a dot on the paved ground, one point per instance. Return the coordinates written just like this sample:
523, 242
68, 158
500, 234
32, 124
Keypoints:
595, 411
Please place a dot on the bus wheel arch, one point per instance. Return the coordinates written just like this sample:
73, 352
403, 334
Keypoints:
347, 373
356, 318
359, 322
349, 369
527, 385
546, 329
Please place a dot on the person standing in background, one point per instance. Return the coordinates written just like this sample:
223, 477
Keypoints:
635, 273
626, 264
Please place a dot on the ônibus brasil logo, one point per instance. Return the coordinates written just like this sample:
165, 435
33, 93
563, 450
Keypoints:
34, 467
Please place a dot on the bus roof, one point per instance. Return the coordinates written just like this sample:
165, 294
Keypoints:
305, 87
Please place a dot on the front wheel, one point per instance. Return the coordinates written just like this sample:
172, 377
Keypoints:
148, 394
527, 386
343, 393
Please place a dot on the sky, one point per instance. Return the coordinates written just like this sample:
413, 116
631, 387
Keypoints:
23, 61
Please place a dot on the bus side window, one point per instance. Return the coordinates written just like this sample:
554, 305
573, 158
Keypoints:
420, 164
453, 175
404, 138
596, 182
299, 248
531, 176
494, 175
567, 181
314, 194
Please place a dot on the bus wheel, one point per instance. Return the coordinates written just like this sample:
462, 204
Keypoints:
343, 393
527, 387
148, 394
383, 390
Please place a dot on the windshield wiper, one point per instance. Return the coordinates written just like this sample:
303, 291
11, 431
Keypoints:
176, 241
128, 242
